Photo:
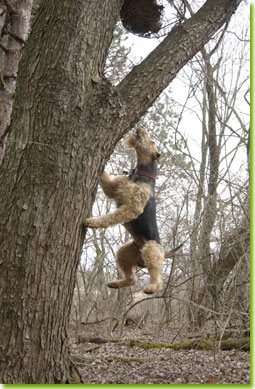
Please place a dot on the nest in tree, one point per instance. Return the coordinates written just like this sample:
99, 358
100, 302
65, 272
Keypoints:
141, 17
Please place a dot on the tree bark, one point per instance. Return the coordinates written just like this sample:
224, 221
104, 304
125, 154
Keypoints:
48, 179
66, 120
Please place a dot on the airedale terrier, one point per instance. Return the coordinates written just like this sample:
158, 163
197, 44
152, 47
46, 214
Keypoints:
136, 209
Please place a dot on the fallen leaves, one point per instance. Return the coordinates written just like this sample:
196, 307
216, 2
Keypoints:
114, 363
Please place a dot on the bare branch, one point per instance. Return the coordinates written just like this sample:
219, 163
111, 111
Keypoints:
146, 81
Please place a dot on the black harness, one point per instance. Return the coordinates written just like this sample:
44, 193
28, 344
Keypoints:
145, 225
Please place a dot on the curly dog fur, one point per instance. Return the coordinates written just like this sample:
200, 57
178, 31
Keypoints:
136, 209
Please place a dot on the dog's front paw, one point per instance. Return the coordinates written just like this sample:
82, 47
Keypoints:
90, 222
104, 176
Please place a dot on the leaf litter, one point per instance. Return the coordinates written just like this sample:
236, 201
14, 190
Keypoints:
113, 363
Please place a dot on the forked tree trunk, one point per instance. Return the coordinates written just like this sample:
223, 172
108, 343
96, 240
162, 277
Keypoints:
66, 121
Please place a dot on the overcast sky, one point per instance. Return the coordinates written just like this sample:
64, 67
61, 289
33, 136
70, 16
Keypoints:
190, 125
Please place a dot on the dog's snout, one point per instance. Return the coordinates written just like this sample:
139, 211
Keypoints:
157, 157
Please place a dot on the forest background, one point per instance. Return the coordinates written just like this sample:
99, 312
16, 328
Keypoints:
178, 121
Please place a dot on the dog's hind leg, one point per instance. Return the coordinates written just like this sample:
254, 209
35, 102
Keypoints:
153, 255
127, 257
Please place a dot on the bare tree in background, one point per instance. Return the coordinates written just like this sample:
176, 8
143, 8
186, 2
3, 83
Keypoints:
183, 195
220, 121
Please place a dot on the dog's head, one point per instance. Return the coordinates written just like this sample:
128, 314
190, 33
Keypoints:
145, 147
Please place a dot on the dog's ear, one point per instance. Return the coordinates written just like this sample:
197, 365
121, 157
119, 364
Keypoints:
130, 141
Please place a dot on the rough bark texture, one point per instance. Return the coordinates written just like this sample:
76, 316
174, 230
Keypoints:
55, 168
66, 121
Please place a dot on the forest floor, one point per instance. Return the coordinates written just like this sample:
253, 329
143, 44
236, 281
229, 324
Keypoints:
99, 363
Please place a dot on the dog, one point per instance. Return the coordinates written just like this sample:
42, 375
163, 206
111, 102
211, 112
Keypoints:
134, 196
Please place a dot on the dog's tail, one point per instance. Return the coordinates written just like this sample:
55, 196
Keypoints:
174, 251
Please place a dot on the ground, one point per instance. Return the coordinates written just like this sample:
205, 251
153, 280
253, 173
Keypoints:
158, 366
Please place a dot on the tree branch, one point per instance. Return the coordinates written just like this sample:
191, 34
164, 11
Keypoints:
200, 344
146, 81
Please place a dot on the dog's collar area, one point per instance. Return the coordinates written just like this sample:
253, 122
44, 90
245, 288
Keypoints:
141, 172
146, 174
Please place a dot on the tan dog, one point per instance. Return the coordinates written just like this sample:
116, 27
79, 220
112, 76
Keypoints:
136, 209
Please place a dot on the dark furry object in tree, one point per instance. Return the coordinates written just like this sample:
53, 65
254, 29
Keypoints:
141, 16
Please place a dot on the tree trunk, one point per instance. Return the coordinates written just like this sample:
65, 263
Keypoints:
66, 120
194, 265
